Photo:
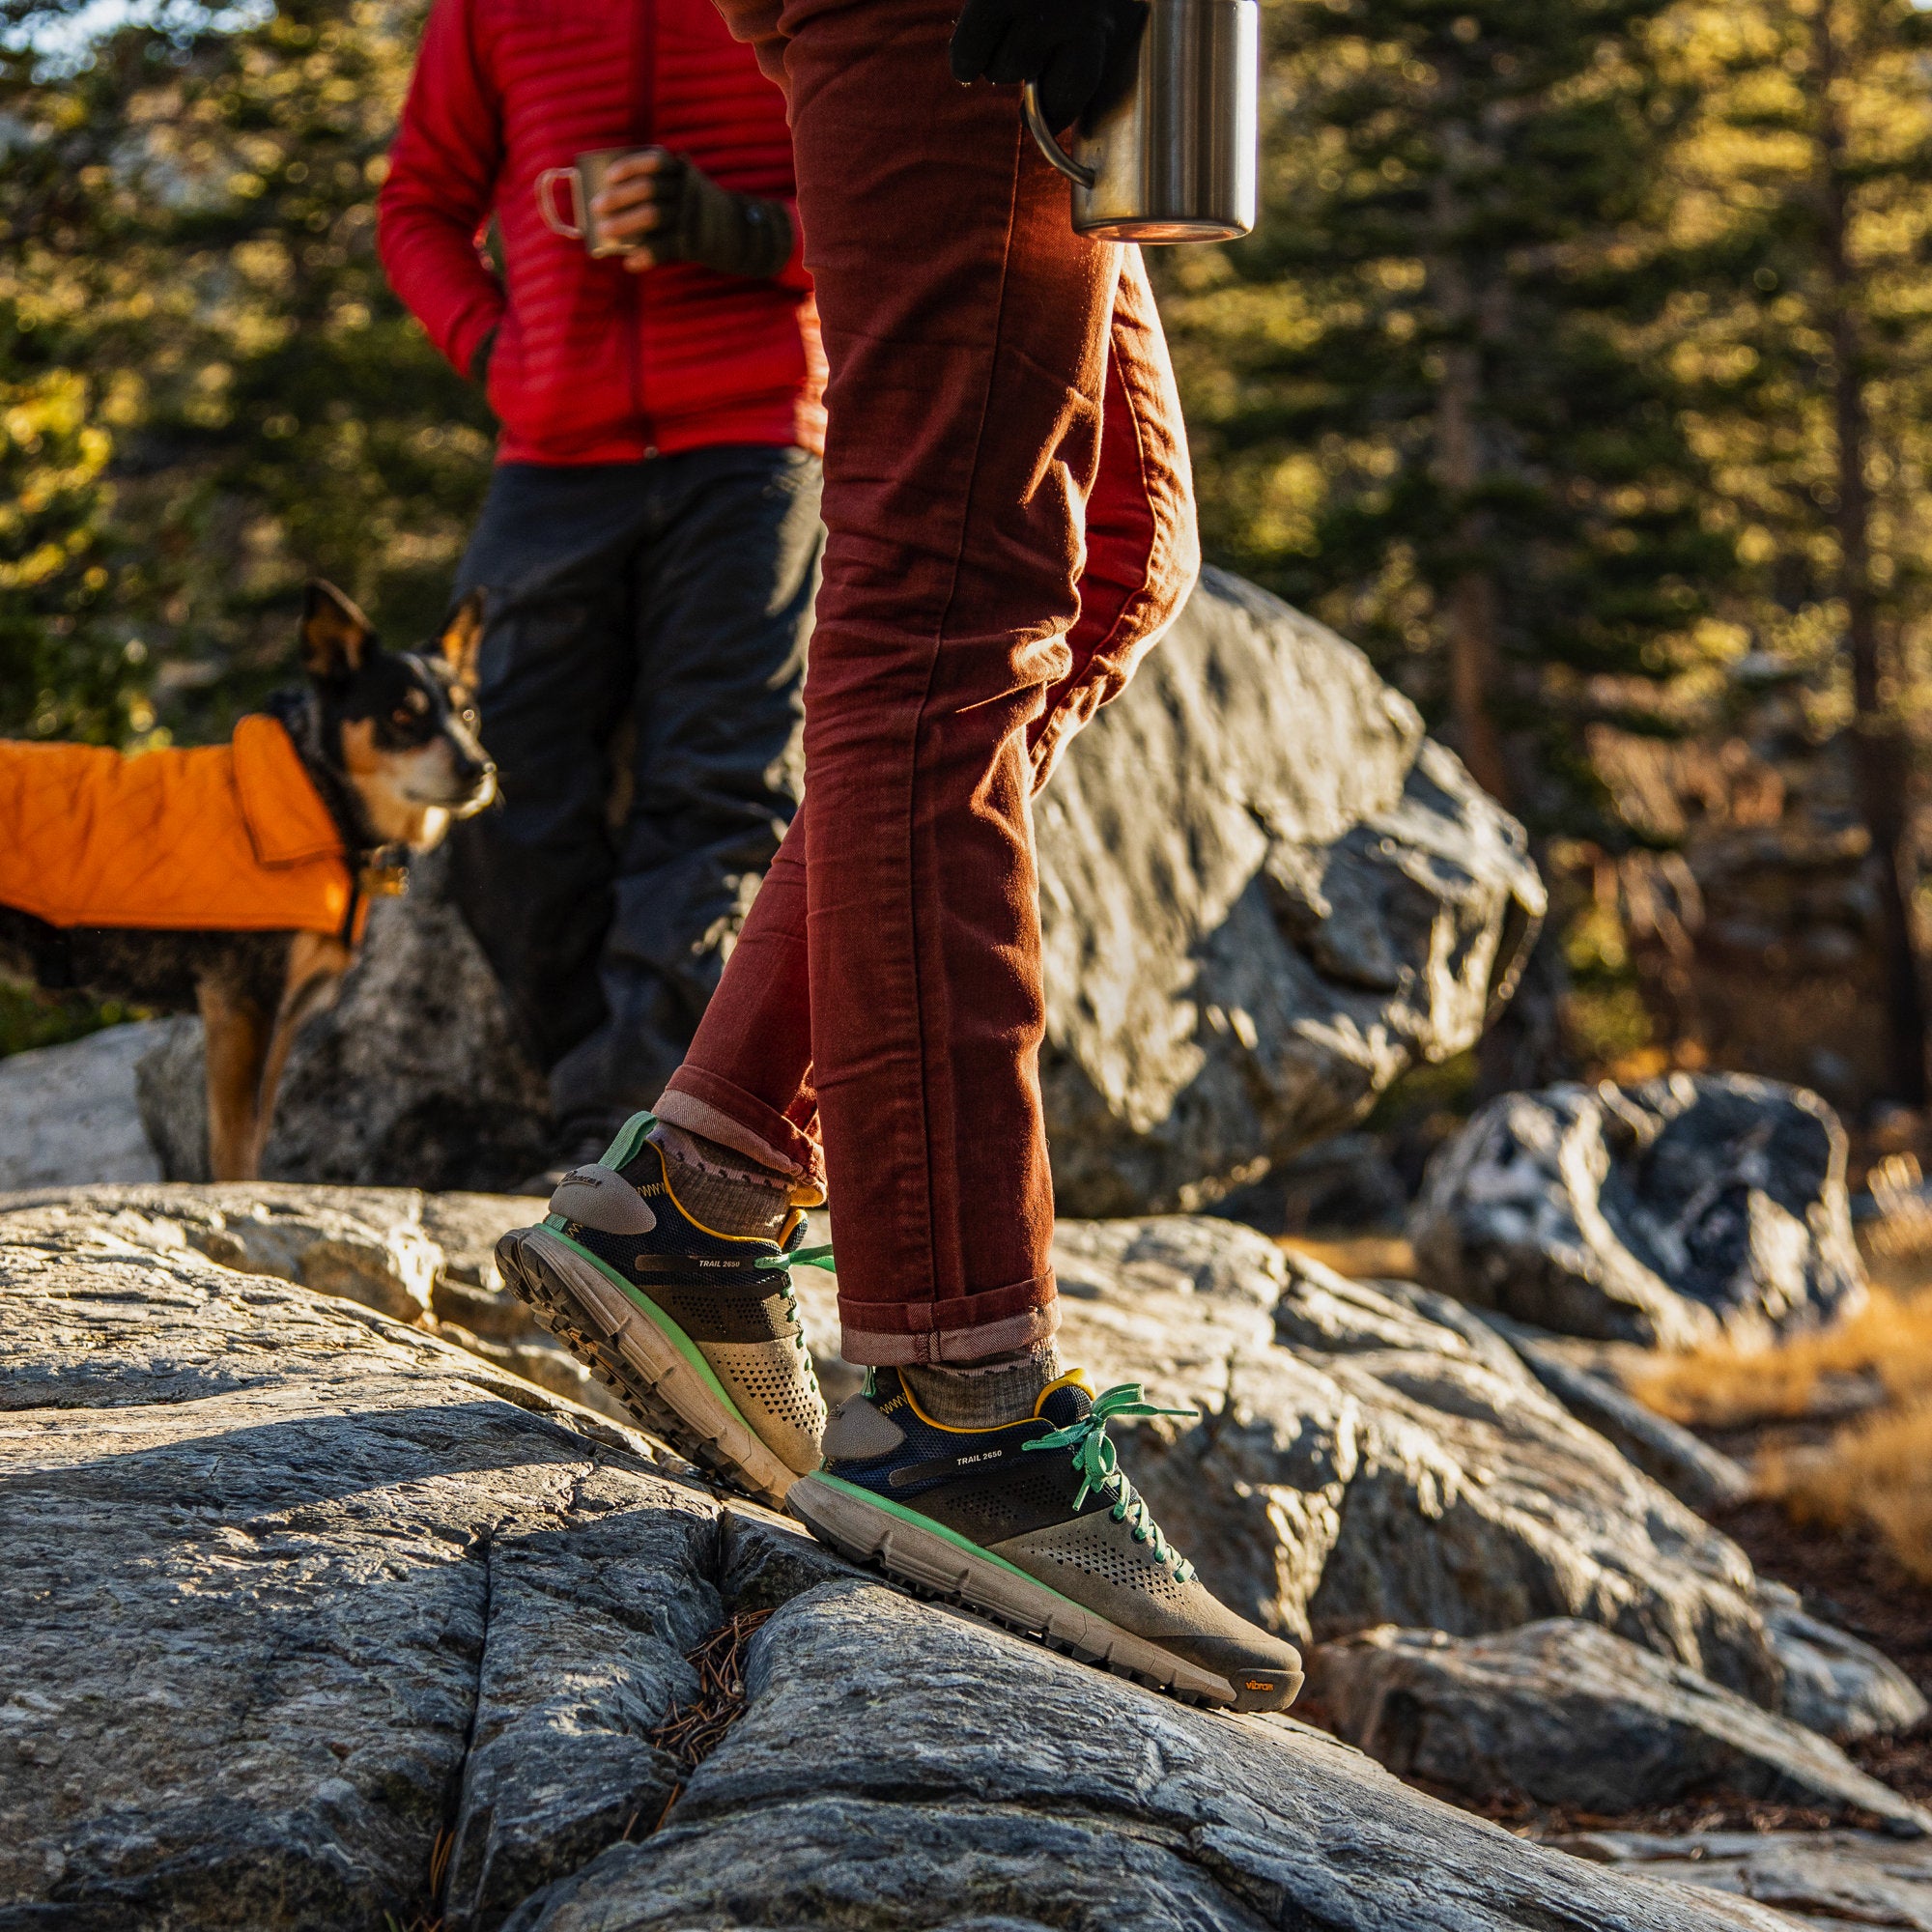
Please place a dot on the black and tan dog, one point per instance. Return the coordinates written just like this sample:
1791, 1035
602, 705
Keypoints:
235, 879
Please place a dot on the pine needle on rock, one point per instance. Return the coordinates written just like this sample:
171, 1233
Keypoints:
692, 1731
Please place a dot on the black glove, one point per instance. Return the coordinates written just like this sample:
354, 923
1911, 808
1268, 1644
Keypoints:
1080, 53
700, 221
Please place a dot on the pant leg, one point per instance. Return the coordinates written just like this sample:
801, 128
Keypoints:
966, 329
533, 877
721, 587
748, 1079
1143, 544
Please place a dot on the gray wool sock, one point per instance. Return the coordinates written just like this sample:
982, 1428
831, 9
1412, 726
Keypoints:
721, 1188
983, 1395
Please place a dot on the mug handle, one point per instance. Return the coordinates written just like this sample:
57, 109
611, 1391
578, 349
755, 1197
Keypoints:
546, 205
1074, 171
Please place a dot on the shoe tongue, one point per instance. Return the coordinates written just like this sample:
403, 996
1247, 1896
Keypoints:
1066, 1404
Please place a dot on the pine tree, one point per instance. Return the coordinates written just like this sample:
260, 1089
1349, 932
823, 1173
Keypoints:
187, 233
1424, 397
67, 668
1805, 187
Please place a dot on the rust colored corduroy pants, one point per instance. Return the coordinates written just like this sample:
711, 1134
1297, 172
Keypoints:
1010, 524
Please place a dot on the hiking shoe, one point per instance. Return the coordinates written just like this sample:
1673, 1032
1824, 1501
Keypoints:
697, 1332
1034, 1523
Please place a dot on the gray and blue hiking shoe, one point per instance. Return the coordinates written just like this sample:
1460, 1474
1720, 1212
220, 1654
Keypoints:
1035, 1525
697, 1331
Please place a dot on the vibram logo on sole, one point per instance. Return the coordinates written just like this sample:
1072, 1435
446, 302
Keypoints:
1255, 1684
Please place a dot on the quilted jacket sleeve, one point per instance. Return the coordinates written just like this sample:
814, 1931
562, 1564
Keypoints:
441, 180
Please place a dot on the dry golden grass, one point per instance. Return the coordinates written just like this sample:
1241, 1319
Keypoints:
1877, 1472
1729, 1385
1359, 1257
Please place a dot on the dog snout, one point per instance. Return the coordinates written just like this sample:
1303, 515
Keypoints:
479, 786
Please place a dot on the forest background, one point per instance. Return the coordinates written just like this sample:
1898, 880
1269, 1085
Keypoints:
1579, 370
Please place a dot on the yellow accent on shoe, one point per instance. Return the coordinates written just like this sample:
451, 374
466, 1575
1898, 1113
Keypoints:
1072, 1379
716, 1234
933, 1422
1076, 1376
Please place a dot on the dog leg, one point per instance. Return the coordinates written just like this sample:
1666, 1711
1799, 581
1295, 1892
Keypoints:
237, 1034
315, 969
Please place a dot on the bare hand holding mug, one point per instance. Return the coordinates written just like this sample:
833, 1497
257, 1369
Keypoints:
646, 205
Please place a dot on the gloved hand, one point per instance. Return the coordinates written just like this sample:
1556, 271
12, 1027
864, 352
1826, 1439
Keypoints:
674, 212
1080, 53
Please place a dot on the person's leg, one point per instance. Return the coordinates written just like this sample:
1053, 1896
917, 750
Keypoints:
664, 1265
720, 588
533, 877
966, 331
747, 1082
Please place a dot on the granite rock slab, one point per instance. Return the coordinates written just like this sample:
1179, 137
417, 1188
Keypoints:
305, 1606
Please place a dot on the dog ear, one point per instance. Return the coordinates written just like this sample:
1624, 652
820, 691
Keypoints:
336, 638
462, 638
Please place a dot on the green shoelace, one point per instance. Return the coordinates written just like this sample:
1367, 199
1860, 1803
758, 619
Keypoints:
814, 1258
805, 1258
1094, 1457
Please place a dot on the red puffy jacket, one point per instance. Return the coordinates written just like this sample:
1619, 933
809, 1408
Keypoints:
592, 363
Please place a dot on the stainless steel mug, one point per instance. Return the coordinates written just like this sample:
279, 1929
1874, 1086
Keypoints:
1175, 158
585, 176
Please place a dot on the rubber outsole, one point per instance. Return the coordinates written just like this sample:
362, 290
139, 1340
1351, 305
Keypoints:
934, 1566
633, 1356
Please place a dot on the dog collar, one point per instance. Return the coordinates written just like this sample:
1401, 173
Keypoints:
385, 872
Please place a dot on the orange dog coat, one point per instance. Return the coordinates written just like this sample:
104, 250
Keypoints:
234, 837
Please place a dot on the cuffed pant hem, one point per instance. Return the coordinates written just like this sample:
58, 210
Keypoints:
887, 1335
701, 1103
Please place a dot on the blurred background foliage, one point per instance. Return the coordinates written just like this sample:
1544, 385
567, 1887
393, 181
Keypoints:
1578, 371
206, 391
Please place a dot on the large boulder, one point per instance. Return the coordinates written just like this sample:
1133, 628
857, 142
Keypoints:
1686, 1465
899, 1769
364, 1243
1264, 894
1565, 1713
315, 1622
1833, 1683
425, 1260
68, 1112
1668, 1214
